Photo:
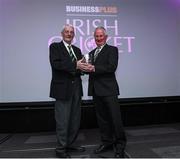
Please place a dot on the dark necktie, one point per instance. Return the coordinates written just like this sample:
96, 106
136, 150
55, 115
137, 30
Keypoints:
71, 53
96, 53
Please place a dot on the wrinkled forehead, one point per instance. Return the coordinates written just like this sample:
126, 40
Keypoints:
68, 28
99, 32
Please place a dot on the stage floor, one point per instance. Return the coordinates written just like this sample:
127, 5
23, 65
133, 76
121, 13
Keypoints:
154, 141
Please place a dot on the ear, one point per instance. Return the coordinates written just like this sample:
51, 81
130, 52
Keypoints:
62, 34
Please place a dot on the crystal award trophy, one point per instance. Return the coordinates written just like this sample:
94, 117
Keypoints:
88, 58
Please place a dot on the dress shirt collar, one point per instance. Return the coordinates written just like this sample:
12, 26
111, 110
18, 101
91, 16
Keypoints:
66, 44
100, 47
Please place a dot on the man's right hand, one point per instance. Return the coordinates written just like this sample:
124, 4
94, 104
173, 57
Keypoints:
85, 67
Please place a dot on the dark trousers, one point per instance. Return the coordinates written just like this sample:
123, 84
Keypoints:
109, 121
67, 116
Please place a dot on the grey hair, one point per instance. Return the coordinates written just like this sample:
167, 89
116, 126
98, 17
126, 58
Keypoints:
102, 28
65, 26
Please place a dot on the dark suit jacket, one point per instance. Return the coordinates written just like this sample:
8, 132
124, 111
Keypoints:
64, 71
103, 81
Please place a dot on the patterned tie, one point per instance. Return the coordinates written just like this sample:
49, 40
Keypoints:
71, 53
96, 53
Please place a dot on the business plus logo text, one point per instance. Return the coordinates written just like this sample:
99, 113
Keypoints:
91, 9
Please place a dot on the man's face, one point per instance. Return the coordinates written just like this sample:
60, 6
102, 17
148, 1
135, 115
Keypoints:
100, 37
68, 34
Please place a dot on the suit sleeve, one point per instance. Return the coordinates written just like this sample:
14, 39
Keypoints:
111, 65
59, 62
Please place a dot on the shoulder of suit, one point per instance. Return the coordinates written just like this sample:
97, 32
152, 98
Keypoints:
110, 46
55, 44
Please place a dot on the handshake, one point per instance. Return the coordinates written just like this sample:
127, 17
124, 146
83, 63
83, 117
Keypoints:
85, 66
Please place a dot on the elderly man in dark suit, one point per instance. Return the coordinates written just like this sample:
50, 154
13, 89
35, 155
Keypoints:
66, 88
104, 89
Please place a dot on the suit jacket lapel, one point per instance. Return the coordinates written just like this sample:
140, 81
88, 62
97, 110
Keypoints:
64, 50
76, 53
101, 52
